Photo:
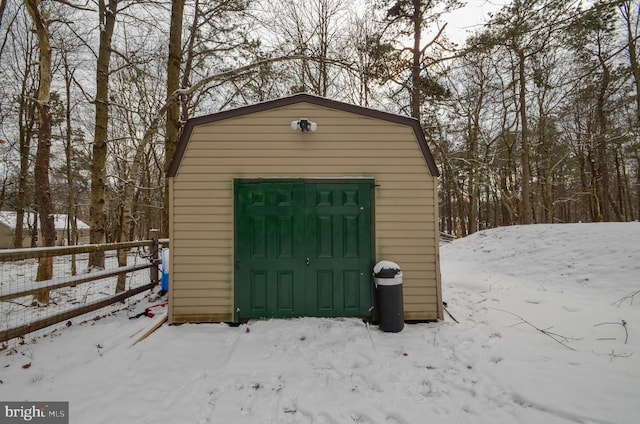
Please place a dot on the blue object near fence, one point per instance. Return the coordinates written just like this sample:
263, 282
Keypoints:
165, 270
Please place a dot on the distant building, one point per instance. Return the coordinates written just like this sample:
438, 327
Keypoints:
62, 224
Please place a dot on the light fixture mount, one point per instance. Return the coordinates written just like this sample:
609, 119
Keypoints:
304, 125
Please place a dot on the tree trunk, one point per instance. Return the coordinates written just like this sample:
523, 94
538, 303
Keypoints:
72, 236
415, 60
638, 185
43, 189
630, 14
602, 162
107, 17
584, 184
126, 220
508, 184
172, 128
3, 4
546, 169
526, 212
627, 199
473, 159
190, 51
618, 203
448, 208
34, 230
323, 34
627, 9
26, 123
594, 187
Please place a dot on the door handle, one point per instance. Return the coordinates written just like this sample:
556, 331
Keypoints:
308, 261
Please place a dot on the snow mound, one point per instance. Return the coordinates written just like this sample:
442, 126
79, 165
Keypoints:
603, 256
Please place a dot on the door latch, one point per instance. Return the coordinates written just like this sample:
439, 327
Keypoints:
308, 261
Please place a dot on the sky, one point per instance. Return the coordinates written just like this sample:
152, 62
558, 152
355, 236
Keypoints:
462, 22
548, 332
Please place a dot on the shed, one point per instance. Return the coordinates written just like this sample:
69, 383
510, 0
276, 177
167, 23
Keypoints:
281, 209
8, 221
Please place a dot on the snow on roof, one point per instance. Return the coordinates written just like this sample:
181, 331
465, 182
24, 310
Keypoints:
8, 218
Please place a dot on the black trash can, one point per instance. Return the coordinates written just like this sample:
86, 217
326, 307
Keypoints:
387, 277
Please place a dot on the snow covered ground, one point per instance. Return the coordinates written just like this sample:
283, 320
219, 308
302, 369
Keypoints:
541, 339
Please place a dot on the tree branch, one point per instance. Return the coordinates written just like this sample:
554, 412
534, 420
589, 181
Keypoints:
623, 323
556, 337
628, 297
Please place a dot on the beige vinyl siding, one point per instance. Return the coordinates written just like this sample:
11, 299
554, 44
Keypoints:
262, 145
6, 237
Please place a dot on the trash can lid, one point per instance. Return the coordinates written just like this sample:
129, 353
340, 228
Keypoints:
386, 269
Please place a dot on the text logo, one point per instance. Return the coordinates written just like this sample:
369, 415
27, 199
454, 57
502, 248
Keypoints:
34, 412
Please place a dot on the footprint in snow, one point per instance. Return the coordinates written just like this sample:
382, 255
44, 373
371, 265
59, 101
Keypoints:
360, 418
395, 418
298, 415
213, 397
324, 418
496, 359
572, 308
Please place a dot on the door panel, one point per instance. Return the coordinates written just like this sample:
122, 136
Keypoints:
285, 291
339, 220
269, 268
285, 237
324, 281
351, 237
258, 237
351, 290
303, 248
258, 290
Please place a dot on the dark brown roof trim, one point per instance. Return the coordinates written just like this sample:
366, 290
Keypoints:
302, 98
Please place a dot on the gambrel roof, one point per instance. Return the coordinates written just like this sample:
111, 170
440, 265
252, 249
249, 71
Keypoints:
303, 98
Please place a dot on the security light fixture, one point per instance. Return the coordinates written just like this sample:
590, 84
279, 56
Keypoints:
304, 125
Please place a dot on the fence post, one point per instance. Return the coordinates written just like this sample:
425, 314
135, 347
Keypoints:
155, 246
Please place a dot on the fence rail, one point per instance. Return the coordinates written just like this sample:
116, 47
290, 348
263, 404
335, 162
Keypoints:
27, 288
43, 252
445, 237
71, 313
57, 283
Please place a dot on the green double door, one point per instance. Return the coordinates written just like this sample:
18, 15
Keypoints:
303, 248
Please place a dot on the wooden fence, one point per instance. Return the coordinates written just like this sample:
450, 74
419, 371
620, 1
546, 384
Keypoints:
12, 255
445, 237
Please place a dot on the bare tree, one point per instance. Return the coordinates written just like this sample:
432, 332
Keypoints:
24, 44
594, 42
317, 28
68, 149
173, 125
415, 71
525, 28
43, 188
107, 13
629, 10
